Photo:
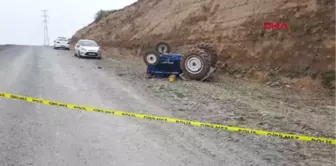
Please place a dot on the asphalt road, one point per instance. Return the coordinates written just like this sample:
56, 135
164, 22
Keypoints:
39, 135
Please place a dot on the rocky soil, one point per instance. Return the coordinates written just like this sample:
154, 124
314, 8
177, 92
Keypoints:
279, 80
231, 101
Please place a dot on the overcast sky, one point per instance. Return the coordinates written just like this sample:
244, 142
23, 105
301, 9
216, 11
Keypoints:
21, 20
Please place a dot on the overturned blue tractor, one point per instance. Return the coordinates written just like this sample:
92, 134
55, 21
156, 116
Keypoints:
198, 64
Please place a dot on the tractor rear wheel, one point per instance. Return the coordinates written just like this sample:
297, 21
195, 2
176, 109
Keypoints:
211, 51
196, 64
163, 48
151, 57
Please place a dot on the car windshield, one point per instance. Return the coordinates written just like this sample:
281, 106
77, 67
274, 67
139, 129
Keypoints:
88, 43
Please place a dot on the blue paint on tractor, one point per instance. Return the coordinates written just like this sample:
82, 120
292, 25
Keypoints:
169, 64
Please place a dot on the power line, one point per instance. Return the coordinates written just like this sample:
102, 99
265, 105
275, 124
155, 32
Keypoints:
45, 22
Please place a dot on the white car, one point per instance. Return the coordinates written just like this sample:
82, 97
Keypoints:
61, 42
87, 48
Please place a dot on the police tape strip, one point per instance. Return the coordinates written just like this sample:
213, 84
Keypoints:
171, 120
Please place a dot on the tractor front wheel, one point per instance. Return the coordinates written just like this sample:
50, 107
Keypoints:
151, 58
163, 48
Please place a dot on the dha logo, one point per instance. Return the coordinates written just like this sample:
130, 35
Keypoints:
271, 26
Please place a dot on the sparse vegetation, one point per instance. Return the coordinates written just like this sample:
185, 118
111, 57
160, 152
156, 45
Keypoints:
101, 14
297, 73
327, 78
326, 2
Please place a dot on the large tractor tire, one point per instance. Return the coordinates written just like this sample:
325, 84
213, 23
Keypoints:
163, 48
151, 58
211, 51
196, 64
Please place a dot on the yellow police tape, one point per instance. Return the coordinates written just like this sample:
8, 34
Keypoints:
170, 120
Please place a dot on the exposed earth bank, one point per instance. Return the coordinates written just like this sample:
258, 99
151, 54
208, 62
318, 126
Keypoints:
301, 57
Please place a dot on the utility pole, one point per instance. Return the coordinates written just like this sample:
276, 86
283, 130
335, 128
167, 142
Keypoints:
45, 22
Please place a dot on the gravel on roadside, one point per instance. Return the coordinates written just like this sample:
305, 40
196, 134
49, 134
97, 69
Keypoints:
241, 103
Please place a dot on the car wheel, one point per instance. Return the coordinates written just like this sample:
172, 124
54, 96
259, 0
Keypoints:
99, 58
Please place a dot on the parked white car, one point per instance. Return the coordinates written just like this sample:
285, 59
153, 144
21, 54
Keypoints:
61, 42
87, 48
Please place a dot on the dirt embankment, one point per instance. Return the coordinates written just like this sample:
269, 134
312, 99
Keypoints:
303, 55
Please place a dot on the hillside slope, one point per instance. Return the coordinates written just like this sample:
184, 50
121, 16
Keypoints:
306, 48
